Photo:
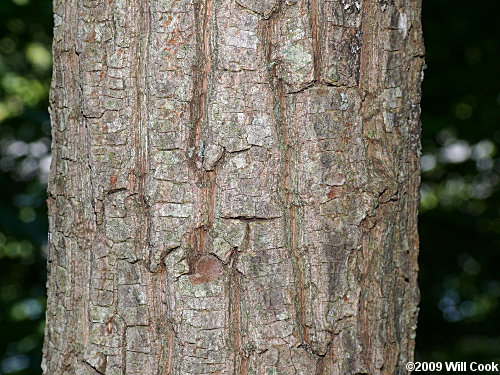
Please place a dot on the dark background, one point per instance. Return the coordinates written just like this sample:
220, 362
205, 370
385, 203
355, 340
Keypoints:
459, 216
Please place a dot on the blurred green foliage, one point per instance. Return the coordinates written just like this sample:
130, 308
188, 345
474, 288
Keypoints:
459, 216
459, 221
25, 69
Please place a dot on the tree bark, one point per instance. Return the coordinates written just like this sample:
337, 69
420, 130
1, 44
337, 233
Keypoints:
234, 187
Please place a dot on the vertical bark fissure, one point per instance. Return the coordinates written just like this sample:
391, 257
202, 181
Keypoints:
291, 216
212, 192
83, 240
289, 206
240, 358
141, 141
206, 198
368, 97
364, 50
200, 91
124, 352
320, 367
170, 357
290, 212
88, 143
315, 42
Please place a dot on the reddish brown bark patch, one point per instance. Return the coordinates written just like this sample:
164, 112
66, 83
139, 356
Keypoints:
335, 192
91, 37
208, 268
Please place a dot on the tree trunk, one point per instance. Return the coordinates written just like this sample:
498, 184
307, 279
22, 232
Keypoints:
234, 187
